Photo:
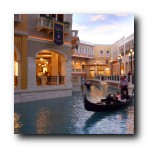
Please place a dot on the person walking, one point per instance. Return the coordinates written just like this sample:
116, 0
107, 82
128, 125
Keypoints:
82, 83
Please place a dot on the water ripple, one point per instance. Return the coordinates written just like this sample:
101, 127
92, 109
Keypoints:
68, 116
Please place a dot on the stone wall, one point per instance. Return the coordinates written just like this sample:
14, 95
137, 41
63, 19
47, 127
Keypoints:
40, 94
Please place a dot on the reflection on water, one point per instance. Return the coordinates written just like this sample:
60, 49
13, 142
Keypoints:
43, 121
17, 123
68, 116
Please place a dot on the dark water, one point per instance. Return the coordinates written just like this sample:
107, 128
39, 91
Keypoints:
68, 116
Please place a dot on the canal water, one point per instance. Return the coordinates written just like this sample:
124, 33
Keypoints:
68, 116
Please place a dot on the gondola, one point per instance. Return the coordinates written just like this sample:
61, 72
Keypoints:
104, 106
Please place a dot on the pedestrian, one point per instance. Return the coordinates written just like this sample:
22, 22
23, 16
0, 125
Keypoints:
124, 85
82, 83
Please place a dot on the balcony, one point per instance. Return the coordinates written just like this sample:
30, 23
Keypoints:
17, 18
66, 28
74, 39
45, 24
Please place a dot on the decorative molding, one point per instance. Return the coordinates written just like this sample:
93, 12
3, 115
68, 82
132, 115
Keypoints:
42, 40
17, 32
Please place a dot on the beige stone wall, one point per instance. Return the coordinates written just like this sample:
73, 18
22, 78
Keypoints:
104, 48
22, 26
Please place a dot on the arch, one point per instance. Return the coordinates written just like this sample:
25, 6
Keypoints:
17, 53
53, 50
50, 66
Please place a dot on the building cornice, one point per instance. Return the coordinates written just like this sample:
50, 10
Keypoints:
44, 40
18, 32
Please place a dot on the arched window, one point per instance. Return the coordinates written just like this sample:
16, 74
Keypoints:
107, 54
101, 53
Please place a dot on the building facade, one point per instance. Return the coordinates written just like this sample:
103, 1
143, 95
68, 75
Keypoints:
39, 64
124, 49
100, 64
44, 70
80, 58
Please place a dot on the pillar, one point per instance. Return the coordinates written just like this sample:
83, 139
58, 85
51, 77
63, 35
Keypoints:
68, 73
63, 67
32, 73
54, 64
23, 65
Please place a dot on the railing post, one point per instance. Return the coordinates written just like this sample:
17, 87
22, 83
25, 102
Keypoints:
58, 80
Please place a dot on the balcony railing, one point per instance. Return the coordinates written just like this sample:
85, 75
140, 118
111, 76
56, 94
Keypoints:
66, 28
46, 24
50, 80
43, 23
76, 54
115, 79
74, 33
75, 79
79, 70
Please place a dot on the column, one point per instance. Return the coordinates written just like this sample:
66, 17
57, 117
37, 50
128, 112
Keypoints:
63, 67
54, 64
31, 73
19, 75
68, 81
23, 65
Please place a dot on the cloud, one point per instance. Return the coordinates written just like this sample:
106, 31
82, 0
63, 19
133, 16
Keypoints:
79, 27
98, 38
121, 14
95, 18
105, 28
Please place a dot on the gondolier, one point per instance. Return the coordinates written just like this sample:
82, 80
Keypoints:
124, 85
